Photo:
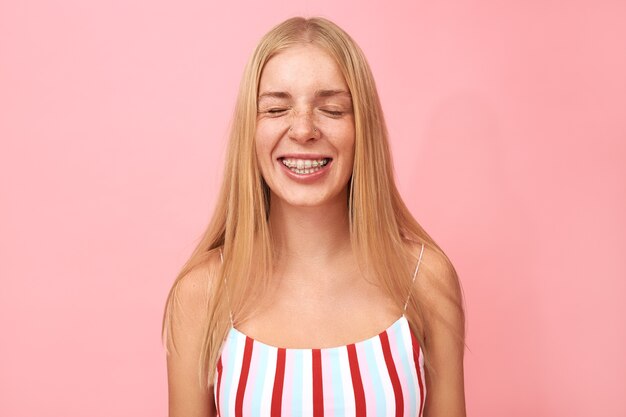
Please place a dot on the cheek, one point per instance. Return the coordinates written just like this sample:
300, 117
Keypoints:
260, 152
264, 144
261, 143
348, 140
265, 138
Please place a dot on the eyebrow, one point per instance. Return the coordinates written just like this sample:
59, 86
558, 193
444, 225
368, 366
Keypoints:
318, 93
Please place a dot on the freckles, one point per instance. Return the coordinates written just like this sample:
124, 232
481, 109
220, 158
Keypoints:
266, 137
270, 133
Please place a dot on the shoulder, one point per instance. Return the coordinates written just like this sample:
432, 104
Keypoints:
437, 280
444, 337
196, 283
187, 325
190, 296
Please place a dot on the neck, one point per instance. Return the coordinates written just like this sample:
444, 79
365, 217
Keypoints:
309, 237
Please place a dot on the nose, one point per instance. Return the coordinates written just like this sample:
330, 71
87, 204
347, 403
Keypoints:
302, 127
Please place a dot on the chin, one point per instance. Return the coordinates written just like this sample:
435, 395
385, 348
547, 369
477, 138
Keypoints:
305, 202
310, 201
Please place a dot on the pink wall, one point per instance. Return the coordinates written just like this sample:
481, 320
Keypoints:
509, 136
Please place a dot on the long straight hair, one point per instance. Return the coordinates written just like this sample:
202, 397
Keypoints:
381, 226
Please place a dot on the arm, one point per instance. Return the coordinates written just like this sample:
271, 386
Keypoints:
445, 322
187, 397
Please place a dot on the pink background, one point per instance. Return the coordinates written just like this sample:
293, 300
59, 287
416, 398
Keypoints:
508, 128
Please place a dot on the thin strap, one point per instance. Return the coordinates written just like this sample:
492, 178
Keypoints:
230, 313
414, 275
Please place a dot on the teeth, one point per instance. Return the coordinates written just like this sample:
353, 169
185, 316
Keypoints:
303, 164
305, 171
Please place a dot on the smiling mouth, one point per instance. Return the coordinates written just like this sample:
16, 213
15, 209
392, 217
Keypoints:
304, 166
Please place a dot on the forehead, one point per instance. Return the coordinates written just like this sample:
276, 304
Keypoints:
301, 69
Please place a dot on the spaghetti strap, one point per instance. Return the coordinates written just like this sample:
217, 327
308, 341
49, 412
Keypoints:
230, 313
414, 275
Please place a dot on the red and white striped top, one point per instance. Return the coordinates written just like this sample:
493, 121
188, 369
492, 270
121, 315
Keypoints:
379, 376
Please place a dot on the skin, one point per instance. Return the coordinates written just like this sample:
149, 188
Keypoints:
316, 283
304, 215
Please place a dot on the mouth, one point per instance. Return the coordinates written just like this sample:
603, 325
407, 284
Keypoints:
304, 166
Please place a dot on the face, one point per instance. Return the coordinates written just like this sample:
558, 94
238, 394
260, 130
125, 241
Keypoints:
305, 128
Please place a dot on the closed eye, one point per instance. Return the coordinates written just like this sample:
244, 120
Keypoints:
274, 111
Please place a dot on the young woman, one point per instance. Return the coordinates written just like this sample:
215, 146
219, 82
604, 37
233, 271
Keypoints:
313, 291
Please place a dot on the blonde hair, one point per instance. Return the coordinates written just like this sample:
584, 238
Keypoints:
380, 223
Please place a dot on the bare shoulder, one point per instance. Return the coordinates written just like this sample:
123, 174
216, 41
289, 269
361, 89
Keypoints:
191, 293
194, 288
187, 323
438, 284
437, 278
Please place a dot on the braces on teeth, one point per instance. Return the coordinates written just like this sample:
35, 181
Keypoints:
305, 166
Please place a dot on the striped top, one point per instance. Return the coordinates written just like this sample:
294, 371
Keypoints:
379, 376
